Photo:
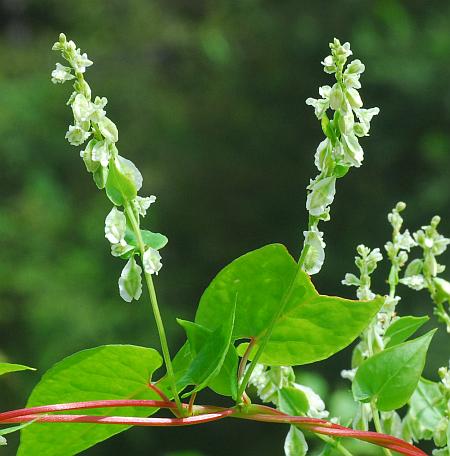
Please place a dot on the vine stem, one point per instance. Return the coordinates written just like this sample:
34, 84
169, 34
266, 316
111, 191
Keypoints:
203, 414
269, 331
156, 312
377, 423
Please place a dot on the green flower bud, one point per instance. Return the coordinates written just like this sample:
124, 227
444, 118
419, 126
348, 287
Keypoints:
86, 154
130, 282
442, 289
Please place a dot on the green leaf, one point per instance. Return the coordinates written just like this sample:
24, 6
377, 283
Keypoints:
105, 372
154, 240
8, 367
427, 407
225, 382
295, 443
211, 355
293, 401
120, 188
402, 329
391, 376
310, 327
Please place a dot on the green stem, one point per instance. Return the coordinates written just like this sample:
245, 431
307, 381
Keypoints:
156, 312
262, 345
378, 427
335, 444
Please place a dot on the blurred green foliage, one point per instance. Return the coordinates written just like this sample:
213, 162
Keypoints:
209, 100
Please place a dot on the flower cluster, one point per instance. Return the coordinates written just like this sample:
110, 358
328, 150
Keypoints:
423, 272
117, 175
278, 385
340, 150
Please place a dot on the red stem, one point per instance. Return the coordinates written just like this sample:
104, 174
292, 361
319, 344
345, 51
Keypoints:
335, 430
245, 357
123, 420
86, 405
159, 392
204, 414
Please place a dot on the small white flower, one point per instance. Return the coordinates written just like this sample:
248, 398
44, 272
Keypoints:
61, 74
101, 153
152, 261
108, 129
81, 108
354, 98
130, 282
80, 61
321, 195
416, 282
115, 226
86, 155
97, 109
76, 135
315, 255
316, 404
117, 250
323, 154
353, 153
142, 204
336, 97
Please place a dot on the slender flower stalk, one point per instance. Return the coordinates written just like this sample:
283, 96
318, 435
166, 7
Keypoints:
121, 180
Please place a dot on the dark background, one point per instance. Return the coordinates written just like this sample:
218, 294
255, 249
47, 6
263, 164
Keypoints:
209, 98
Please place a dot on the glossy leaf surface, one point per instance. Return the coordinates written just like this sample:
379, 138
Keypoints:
391, 376
106, 372
309, 327
402, 329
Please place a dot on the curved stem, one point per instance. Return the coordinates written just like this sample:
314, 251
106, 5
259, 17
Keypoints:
124, 420
204, 414
155, 308
86, 405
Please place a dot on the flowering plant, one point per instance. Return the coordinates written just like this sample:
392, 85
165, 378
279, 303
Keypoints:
260, 316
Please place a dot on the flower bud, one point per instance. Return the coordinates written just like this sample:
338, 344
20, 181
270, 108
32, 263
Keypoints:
130, 282
115, 226
152, 261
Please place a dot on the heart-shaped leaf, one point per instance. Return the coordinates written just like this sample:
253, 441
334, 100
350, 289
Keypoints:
106, 372
310, 327
390, 377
